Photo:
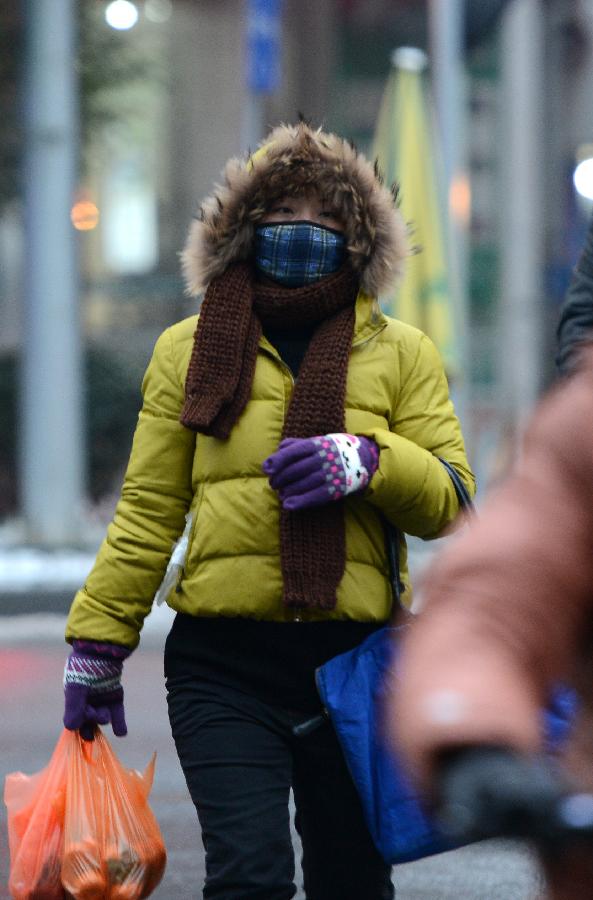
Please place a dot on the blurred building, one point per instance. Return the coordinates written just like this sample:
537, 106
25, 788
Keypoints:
170, 128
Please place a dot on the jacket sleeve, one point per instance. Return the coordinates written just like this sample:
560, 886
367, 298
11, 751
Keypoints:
508, 603
149, 516
411, 486
575, 325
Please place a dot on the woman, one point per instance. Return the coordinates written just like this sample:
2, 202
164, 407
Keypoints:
289, 429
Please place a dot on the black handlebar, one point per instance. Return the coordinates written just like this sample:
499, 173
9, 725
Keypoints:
487, 792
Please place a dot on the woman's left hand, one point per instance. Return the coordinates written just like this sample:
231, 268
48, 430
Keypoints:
309, 472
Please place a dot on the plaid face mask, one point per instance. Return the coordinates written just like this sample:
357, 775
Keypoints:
298, 253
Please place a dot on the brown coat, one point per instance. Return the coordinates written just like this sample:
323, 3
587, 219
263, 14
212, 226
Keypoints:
508, 604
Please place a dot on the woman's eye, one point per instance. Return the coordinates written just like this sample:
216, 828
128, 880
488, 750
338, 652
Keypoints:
328, 213
285, 210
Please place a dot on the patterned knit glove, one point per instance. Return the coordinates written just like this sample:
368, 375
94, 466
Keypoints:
92, 688
309, 472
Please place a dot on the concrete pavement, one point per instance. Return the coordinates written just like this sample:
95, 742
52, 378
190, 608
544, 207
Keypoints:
32, 656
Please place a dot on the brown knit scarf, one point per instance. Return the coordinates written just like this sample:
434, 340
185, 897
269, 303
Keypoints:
218, 386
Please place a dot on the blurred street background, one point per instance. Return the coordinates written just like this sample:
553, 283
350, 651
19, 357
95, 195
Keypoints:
115, 119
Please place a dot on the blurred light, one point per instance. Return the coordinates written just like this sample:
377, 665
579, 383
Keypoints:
410, 58
460, 199
84, 215
583, 178
129, 217
158, 11
121, 14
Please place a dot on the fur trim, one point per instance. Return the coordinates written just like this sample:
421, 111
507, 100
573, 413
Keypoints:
292, 159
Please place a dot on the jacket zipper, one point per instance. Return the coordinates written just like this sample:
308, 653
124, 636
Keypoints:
296, 615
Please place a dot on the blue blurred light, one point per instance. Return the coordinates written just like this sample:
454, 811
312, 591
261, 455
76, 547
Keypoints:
264, 35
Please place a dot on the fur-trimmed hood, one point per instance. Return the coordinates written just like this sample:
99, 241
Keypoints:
293, 159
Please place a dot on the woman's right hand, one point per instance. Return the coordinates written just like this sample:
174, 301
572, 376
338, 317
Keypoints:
92, 688
310, 472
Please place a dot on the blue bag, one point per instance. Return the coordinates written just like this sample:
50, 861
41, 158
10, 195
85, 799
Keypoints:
352, 687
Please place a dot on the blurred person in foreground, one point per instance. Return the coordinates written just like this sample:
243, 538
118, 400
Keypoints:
509, 613
287, 424
575, 325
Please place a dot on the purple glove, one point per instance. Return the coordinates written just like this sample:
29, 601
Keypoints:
310, 472
92, 688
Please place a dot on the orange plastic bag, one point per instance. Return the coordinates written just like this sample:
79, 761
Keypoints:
35, 806
113, 847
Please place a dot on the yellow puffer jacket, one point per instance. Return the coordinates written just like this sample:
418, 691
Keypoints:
396, 393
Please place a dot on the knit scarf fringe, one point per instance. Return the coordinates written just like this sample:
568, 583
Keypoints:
218, 387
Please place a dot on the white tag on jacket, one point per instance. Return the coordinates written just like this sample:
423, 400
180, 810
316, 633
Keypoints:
175, 564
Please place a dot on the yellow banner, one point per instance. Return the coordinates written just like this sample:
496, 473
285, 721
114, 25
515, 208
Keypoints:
404, 146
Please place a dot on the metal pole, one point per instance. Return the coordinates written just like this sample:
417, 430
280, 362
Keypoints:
446, 25
252, 121
52, 466
446, 29
522, 208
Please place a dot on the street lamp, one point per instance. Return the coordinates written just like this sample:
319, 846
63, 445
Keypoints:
121, 15
583, 178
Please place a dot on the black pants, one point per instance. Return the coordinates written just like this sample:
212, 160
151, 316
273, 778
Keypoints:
240, 758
